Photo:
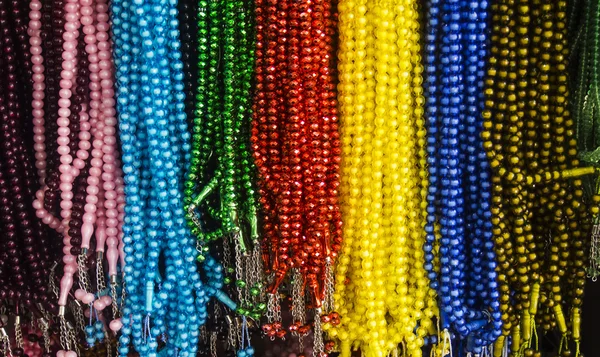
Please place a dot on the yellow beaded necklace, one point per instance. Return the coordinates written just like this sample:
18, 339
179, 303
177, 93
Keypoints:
382, 292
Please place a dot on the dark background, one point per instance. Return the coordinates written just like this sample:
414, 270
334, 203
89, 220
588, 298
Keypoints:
590, 334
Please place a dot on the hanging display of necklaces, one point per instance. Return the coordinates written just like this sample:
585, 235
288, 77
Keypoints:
460, 189
382, 291
25, 245
295, 142
166, 300
541, 219
585, 67
220, 197
74, 121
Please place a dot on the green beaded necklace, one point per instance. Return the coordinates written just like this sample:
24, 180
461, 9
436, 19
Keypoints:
220, 199
586, 106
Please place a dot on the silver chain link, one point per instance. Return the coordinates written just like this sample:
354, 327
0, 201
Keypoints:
73, 338
100, 279
271, 306
232, 340
213, 344
84, 282
318, 346
113, 294
258, 271
123, 292
194, 215
108, 345
52, 281
328, 304
226, 253
203, 334
77, 311
239, 271
238, 332
298, 302
18, 332
64, 334
273, 310
43, 325
6, 350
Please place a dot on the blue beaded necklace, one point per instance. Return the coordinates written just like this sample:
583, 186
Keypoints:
168, 303
459, 218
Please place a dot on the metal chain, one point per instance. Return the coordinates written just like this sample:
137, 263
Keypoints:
73, 338
64, 334
318, 346
300, 342
123, 292
6, 350
226, 253
328, 304
271, 308
239, 271
231, 335
256, 273
213, 344
203, 334
77, 311
218, 312
298, 302
238, 332
100, 278
277, 308
113, 294
194, 216
18, 332
84, 282
43, 325
108, 345
247, 273
52, 281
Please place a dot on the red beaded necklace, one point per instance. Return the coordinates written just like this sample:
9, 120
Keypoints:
296, 147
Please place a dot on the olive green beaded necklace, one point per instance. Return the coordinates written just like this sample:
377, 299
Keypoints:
539, 213
220, 199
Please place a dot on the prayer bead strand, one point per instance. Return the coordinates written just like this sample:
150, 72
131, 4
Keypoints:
529, 105
383, 182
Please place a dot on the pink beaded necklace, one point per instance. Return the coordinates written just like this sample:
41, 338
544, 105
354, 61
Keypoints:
104, 200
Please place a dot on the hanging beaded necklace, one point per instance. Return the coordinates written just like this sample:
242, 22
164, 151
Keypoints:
459, 191
295, 143
539, 214
91, 194
21, 230
26, 248
219, 183
25, 245
586, 99
166, 305
382, 292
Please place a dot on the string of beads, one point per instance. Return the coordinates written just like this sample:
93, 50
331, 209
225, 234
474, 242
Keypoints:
382, 291
540, 216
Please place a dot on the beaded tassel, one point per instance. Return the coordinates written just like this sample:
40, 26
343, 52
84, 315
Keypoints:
382, 292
